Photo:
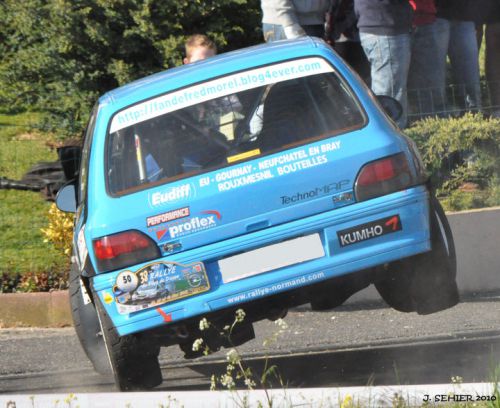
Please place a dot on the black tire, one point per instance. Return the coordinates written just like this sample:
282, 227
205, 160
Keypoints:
330, 301
134, 359
435, 287
332, 296
334, 293
425, 283
87, 325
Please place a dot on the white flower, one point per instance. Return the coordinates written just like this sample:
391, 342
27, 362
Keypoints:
232, 356
281, 324
204, 325
197, 344
227, 381
213, 382
249, 383
240, 315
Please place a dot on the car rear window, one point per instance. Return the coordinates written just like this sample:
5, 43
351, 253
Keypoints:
231, 119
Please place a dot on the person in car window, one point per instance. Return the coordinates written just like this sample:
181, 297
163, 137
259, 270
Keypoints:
212, 113
199, 47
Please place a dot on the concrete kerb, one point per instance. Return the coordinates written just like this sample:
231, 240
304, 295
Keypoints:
478, 257
41, 309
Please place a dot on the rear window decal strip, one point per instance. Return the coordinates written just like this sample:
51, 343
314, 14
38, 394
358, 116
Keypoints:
217, 88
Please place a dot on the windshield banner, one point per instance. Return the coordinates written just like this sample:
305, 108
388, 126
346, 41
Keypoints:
217, 88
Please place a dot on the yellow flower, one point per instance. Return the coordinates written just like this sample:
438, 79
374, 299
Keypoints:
347, 402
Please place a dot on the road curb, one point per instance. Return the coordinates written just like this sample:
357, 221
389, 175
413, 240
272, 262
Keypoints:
478, 258
40, 309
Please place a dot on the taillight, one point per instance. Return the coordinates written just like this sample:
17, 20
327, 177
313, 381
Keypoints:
123, 249
383, 176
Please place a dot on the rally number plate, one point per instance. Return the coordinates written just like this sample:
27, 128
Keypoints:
158, 283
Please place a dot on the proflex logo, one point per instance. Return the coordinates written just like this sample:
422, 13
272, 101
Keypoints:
181, 228
370, 230
171, 195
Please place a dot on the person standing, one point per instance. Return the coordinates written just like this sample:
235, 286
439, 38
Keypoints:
341, 32
426, 84
385, 34
460, 44
493, 63
489, 15
288, 19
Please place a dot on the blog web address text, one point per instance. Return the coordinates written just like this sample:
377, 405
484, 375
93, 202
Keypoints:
217, 88
277, 287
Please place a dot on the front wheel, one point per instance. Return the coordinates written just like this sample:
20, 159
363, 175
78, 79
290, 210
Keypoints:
425, 283
133, 359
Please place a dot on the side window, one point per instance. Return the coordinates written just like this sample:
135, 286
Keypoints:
84, 164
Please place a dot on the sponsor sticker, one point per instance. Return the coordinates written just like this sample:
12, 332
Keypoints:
245, 155
369, 230
81, 248
158, 283
171, 195
180, 228
217, 88
107, 298
315, 192
167, 216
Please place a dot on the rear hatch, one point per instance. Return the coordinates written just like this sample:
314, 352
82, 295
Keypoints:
237, 154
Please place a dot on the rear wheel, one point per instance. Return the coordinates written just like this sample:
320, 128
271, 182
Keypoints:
134, 359
424, 283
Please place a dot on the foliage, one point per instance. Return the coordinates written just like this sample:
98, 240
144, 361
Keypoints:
58, 56
237, 371
461, 154
60, 230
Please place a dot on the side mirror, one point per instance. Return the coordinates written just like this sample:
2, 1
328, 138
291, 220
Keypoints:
66, 198
391, 106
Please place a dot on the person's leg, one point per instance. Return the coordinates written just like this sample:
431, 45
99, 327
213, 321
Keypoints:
273, 32
464, 55
389, 58
353, 54
427, 75
493, 65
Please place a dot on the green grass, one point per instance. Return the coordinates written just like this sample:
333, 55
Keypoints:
23, 213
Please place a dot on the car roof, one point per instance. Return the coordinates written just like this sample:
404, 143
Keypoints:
221, 64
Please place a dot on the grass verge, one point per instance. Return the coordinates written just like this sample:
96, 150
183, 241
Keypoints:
23, 213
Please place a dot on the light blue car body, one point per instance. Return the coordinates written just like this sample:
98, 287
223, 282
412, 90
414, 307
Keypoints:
316, 200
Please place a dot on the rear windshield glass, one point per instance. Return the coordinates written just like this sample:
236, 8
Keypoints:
227, 120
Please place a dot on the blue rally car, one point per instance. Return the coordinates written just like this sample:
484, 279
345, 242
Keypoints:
259, 179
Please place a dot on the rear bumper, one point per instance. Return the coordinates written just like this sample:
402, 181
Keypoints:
346, 251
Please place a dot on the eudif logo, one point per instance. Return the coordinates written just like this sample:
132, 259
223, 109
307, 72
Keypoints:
171, 195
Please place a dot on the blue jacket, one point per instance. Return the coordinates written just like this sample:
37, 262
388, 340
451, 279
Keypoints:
384, 17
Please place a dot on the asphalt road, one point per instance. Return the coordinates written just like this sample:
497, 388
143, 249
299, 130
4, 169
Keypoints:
351, 345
